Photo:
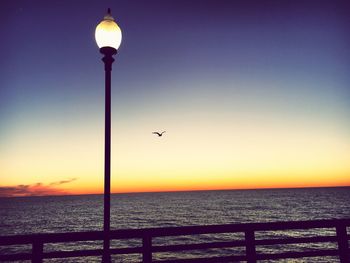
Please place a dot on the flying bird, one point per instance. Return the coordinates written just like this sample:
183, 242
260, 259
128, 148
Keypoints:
158, 133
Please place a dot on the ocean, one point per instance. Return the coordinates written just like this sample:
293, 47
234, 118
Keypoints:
53, 214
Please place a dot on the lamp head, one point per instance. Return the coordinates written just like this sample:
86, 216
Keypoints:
108, 33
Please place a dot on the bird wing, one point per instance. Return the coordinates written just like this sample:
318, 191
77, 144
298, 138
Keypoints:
156, 133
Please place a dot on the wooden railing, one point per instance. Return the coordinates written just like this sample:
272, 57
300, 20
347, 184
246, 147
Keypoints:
249, 243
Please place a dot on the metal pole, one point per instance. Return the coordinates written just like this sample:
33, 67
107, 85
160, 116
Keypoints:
108, 60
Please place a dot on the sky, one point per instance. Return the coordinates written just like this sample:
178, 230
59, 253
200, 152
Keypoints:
251, 94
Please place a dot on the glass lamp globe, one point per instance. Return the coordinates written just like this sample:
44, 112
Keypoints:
108, 33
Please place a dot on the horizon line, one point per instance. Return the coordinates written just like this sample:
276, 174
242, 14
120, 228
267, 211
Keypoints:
181, 191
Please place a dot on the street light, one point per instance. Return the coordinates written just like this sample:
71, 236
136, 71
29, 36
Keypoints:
108, 38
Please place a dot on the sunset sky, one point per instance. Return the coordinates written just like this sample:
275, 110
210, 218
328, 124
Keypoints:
252, 94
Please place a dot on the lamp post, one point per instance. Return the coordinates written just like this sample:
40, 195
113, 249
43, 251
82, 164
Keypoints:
108, 38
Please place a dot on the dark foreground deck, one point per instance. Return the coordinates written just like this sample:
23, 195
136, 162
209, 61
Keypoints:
250, 244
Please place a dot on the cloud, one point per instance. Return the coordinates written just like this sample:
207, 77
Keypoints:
64, 181
38, 189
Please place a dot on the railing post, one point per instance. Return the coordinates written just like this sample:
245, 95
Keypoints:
147, 249
37, 251
250, 246
343, 243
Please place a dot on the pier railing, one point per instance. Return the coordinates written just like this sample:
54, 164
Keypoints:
249, 243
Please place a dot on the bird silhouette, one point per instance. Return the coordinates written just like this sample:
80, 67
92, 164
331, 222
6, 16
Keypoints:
158, 133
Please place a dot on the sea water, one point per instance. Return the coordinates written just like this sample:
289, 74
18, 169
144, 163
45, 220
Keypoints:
54, 214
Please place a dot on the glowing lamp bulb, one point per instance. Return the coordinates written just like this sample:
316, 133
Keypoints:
108, 33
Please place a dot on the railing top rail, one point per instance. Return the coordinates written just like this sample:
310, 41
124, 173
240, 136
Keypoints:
171, 231
268, 226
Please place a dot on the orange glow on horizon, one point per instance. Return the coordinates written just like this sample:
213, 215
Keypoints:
236, 182
87, 191
229, 183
